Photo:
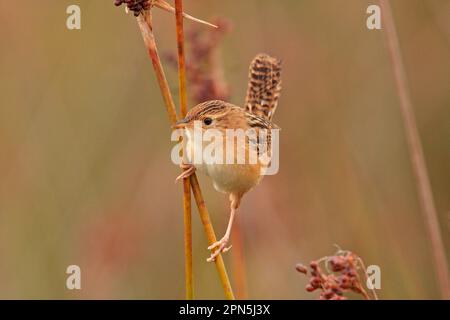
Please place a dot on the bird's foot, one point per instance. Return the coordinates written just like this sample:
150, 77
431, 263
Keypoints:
218, 247
188, 170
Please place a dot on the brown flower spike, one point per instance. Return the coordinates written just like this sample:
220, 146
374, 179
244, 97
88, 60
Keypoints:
340, 275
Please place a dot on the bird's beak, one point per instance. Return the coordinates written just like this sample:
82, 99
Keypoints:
180, 124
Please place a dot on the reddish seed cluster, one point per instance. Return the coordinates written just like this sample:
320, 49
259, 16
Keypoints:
341, 276
203, 66
137, 6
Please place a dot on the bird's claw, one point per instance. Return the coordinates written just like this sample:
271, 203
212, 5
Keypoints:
220, 246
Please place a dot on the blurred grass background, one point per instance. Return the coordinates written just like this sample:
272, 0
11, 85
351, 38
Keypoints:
85, 170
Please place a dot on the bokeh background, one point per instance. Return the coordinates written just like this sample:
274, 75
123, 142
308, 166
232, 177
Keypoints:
85, 170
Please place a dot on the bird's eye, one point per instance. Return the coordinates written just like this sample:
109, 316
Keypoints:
207, 121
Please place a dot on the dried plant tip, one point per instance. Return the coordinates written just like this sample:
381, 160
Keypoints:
344, 282
310, 288
301, 268
137, 6
167, 7
337, 263
327, 295
342, 276
315, 282
350, 272
338, 297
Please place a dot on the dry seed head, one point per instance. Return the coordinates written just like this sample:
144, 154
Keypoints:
340, 278
137, 6
301, 268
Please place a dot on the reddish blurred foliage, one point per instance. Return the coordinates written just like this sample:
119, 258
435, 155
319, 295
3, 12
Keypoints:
112, 246
340, 275
204, 67
114, 241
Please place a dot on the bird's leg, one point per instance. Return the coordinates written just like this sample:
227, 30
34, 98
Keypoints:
221, 245
188, 170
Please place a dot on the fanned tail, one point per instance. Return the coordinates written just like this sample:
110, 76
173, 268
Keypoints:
264, 86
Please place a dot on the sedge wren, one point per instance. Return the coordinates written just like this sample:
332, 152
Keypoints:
235, 178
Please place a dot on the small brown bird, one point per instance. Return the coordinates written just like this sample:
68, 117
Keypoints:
236, 178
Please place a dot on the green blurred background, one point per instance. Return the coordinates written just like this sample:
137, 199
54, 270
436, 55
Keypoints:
85, 170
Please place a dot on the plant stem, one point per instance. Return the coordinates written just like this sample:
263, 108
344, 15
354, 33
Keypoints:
188, 269
181, 57
209, 230
416, 152
145, 26
186, 183
366, 277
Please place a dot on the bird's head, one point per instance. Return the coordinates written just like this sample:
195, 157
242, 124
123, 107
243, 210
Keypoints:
214, 114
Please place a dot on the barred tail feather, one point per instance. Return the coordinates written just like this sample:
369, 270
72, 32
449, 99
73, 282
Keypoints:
264, 86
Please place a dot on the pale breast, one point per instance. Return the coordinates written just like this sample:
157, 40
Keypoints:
235, 178
227, 178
